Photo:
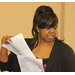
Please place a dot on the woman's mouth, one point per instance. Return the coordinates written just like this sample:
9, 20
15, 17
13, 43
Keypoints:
50, 36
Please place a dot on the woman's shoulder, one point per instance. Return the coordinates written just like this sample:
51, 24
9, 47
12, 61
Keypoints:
65, 48
62, 44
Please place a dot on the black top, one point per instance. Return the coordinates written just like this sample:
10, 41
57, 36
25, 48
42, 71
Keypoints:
62, 59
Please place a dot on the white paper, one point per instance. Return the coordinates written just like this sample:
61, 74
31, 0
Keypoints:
27, 61
28, 64
19, 46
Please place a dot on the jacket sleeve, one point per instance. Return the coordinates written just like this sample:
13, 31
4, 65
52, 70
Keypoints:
70, 60
7, 66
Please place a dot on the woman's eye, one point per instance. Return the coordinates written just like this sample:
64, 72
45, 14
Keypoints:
55, 27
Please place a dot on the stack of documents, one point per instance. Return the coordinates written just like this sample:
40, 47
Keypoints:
27, 61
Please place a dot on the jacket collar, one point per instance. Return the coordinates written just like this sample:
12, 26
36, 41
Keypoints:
54, 54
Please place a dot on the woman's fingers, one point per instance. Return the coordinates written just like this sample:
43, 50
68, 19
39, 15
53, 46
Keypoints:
5, 38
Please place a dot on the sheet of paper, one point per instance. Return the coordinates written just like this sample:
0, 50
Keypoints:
28, 64
11, 48
19, 46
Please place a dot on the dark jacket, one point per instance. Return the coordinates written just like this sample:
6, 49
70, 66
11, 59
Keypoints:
62, 59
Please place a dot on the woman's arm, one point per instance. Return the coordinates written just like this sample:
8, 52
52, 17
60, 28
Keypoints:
4, 51
3, 54
4, 58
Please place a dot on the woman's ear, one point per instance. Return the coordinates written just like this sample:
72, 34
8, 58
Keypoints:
38, 29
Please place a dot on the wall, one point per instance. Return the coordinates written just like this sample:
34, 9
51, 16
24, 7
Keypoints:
17, 17
69, 24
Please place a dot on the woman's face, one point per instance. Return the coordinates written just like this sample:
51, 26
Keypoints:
47, 35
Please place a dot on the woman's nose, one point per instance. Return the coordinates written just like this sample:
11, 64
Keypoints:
51, 30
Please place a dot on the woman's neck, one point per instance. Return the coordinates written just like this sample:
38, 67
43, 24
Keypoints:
45, 43
45, 46
43, 50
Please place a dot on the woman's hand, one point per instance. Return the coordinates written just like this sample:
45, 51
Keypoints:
5, 38
4, 51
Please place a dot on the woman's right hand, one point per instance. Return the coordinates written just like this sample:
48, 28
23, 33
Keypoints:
5, 38
4, 51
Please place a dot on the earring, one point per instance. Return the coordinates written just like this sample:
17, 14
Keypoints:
57, 34
38, 37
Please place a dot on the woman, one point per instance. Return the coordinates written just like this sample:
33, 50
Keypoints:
57, 56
